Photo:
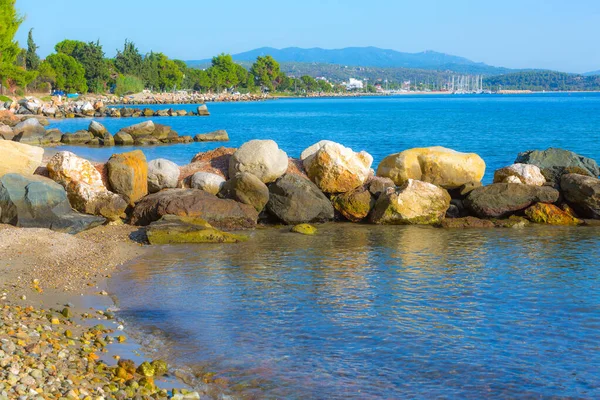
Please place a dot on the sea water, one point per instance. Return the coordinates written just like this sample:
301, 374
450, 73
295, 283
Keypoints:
373, 312
370, 312
497, 127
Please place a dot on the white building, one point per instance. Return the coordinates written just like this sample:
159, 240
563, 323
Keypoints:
354, 84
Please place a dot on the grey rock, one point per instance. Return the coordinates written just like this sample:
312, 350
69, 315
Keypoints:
38, 202
162, 174
296, 200
582, 193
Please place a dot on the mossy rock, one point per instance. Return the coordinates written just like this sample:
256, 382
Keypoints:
146, 369
172, 229
513, 221
543, 213
304, 229
160, 367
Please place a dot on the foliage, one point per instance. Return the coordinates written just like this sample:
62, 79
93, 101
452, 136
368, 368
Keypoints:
543, 80
46, 77
70, 74
310, 83
265, 70
91, 57
223, 72
158, 71
11, 74
32, 60
128, 84
129, 61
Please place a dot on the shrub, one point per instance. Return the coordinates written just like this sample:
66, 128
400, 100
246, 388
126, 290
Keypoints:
128, 84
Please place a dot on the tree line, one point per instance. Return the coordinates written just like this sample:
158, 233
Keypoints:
82, 67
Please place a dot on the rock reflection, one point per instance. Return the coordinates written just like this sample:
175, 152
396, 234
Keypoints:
365, 312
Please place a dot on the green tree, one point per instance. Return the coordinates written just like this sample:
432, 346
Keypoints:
325, 86
310, 83
32, 60
129, 61
46, 77
91, 57
10, 74
160, 72
265, 70
223, 72
70, 75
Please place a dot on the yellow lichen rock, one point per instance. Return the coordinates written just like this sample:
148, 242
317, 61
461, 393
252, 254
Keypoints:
438, 165
19, 158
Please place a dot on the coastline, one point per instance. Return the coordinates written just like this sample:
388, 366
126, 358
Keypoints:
35, 285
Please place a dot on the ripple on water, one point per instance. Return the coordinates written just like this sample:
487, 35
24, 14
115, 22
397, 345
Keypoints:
381, 312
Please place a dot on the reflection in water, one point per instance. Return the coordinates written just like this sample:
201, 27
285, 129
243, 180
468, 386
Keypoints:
380, 312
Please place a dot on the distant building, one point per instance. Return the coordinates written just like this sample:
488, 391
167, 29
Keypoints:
354, 84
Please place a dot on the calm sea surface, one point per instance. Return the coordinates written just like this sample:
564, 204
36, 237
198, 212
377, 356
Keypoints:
367, 312
371, 312
497, 127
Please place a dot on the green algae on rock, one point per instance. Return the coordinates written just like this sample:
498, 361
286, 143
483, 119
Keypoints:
304, 229
171, 229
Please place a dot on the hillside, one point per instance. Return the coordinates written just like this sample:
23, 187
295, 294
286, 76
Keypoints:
369, 57
544, 80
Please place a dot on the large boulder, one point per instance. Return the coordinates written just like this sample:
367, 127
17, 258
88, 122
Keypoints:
335, 168
207, 181
89, 200
500, 200
438, 165
221, 213
123, 139
202, 110
556, 162
85, 188
6, 132
543, 213
354, 205
52, 136
29, 131
216, 136
248, 189
142, 129
79, 137
414, 203
296, 200
162, 174
38, 202
107, 140
582, 193
65, 167
172, 229
527, 174
97, 129
262, 158
19, 158
128, 175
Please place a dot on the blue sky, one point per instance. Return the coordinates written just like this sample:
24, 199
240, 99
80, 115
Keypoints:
554, 34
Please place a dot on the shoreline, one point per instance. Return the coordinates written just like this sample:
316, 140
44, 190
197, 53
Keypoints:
36, 292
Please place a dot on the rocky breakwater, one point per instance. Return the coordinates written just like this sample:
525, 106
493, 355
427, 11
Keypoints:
236, 189
147, 133
96, 108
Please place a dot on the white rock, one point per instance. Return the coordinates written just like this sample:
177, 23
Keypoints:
162, 174
262, 158
527, 174
209, 182
335, 168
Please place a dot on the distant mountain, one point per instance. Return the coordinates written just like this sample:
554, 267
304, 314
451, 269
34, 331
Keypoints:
591, 73
369, 57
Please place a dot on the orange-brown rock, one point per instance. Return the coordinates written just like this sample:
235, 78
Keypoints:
128, 175
544, 213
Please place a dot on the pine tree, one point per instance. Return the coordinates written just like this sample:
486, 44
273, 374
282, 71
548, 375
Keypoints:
11, 74
32, 60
